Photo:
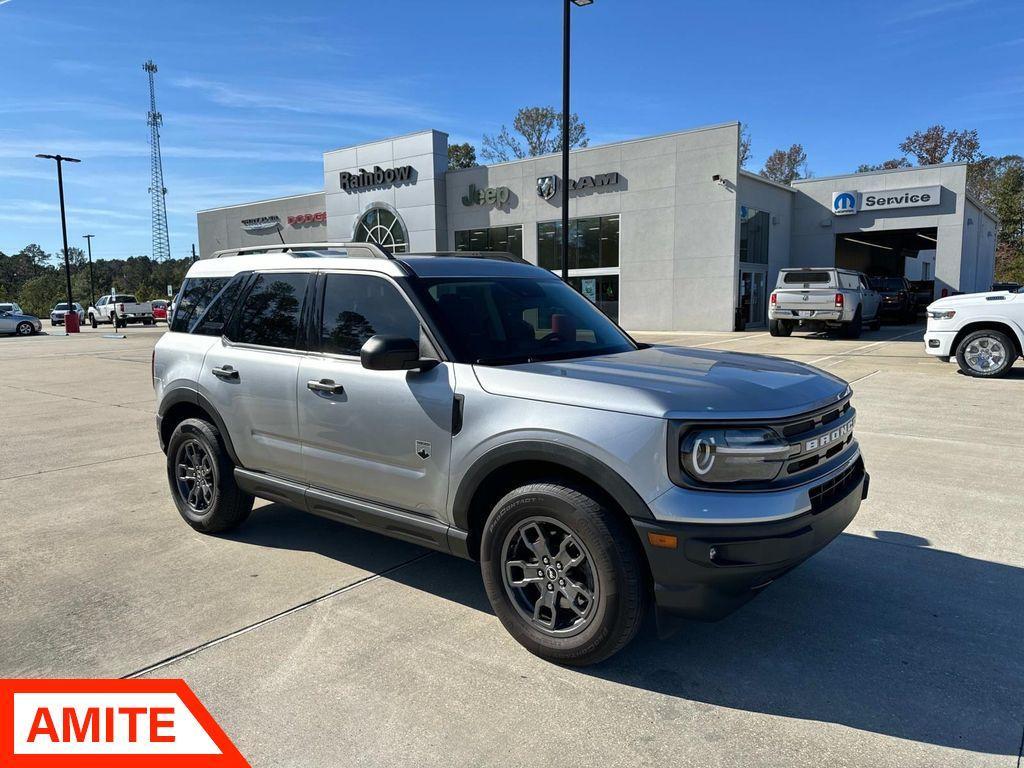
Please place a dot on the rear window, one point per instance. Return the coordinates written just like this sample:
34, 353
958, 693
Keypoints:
269, 314
123, 298
807, 276
196, 295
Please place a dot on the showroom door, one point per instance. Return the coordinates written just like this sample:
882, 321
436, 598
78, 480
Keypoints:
752, 293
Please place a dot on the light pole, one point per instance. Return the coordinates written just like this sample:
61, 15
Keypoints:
92, 290
565, 132
60, 160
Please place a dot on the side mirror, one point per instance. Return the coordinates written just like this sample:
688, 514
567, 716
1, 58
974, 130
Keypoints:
385, 352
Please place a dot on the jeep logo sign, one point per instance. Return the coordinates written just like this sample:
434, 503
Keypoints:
488, 196
844, 203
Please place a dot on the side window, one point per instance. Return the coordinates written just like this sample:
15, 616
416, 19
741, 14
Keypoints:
213, 322
269, 315
357, 307
864, 284
196, 295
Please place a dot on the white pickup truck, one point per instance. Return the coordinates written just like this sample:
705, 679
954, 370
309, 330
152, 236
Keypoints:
983, 331
119, 309
819, 298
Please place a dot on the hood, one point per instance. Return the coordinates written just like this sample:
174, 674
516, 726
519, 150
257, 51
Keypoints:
671, 382
991, 298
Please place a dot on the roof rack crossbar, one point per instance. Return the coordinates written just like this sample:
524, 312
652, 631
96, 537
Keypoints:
368, 249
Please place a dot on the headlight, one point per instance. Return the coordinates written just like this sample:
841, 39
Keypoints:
947, 314
723, 455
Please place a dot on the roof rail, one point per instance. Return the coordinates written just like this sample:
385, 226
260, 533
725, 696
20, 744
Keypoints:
358, 250
491, 255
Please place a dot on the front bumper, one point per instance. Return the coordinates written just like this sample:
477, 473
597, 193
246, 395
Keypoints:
939, 343
716, 568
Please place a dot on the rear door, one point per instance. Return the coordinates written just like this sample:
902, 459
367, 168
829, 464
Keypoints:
249, 375
870, 298
381, 436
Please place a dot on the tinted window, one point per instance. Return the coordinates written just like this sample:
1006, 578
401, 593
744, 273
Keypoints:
357, 307
887, 283
215, 318
123, 298
196, 295
807, 277
269, 316
504, 320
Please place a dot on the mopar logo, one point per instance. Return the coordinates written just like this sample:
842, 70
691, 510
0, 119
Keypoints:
844, 203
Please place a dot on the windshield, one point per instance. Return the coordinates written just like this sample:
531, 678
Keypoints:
508, 320
6, 307
887, 283
63, 305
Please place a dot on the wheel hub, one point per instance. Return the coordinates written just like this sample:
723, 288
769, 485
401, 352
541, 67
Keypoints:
549, 576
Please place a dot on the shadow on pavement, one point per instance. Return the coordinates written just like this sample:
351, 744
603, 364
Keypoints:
879, 634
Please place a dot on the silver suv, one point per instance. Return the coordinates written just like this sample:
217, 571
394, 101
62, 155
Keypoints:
475, 404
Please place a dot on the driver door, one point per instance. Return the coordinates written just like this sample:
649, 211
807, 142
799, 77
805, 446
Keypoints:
380, 436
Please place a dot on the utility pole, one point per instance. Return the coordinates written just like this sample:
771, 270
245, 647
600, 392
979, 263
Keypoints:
194, 257
567, 5
92, 288
60, 160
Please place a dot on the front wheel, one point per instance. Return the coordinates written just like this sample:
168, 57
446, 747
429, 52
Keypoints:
24, 329
202, 479
92, 320
564, 573
986, 354
779, 328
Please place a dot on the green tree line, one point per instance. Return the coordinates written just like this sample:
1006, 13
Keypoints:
35, 279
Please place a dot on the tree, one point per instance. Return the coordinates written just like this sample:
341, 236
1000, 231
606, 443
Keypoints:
461, 155
932, 145
885, 165
39, 294
786, 165
744, 145
540, 129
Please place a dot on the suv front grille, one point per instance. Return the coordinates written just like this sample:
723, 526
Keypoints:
825, 495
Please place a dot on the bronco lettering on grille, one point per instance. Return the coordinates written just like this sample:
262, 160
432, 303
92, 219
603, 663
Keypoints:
836, 435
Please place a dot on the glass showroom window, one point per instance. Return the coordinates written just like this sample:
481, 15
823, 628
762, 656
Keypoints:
508, 239
602, 290
593, 243
382, 227
754, 226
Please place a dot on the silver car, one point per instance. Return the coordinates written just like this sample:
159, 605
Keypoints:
13, 320
475, 404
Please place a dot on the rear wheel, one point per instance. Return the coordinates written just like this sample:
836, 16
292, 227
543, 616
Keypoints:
986, 354
854, 328
202, 479
564, 573
779, 328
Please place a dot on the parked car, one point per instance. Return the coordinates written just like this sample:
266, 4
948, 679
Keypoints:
1008, 287
17, 322
10, 306
120, 309
61, 309
160, 310
821, 298
475, 404
983, 331
897, 298
923, 293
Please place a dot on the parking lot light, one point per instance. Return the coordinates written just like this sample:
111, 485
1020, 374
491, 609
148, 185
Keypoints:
60, 160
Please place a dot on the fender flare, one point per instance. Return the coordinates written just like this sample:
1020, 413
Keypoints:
192, 397
610, 481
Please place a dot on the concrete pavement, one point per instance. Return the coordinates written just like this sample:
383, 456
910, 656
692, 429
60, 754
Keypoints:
312, 643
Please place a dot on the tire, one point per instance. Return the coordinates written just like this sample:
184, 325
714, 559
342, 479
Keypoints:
217, 504
986, 354
92, 320
876, 324
572, 523
24, 328
779, 328
854, 328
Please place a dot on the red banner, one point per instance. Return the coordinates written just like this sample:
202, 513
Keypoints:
109, 724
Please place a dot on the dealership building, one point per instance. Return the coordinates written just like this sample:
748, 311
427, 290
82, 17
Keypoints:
667, 233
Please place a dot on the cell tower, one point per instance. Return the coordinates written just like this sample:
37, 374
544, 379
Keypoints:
157, 190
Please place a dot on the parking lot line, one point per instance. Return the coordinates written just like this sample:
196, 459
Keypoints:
866, 346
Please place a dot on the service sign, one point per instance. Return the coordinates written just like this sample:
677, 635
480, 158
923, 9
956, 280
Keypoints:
915, 197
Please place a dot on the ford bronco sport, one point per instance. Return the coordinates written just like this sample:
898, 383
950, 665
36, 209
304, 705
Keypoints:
475, 404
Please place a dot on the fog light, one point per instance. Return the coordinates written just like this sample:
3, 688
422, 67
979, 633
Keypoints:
933, 343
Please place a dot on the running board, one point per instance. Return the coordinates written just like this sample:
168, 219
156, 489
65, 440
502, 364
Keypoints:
367, 515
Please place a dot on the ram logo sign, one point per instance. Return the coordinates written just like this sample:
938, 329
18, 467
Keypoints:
844, 203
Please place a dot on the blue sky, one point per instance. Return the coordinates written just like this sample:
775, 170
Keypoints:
253, 92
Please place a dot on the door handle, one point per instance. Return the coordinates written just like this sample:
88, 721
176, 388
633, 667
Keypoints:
327, 386
225, 372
